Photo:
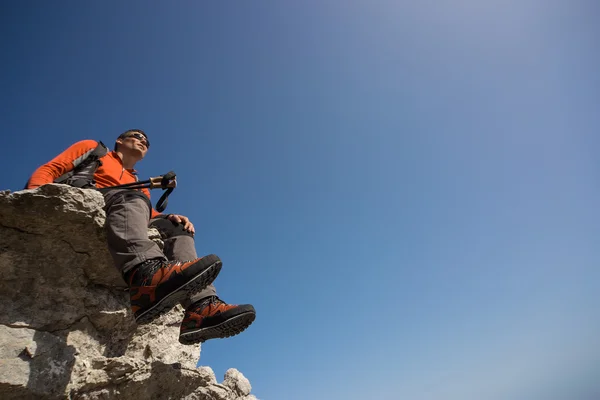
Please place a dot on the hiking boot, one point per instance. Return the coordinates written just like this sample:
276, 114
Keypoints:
212, 318
156, 286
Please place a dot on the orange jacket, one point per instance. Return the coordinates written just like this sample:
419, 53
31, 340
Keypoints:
110, 173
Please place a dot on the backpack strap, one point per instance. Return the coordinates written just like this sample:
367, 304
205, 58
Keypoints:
84, 167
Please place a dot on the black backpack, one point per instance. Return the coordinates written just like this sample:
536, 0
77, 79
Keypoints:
84, 167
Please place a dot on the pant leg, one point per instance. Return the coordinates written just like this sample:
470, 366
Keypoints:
180, 246
127, 216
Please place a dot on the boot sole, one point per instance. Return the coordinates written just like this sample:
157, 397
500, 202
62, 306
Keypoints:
193, 286
225, 329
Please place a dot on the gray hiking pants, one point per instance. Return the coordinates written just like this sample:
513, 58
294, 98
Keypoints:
127, 222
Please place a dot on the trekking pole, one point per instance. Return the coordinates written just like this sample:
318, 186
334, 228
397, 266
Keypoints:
166, 182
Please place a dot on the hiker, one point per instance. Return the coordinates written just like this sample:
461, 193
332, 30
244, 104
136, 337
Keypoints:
157, 280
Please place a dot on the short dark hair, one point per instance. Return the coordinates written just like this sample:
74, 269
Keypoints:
126, 133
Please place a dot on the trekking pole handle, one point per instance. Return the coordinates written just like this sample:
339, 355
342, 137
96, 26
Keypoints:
161, 182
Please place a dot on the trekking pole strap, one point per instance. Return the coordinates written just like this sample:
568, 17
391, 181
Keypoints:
169, 182
161, 204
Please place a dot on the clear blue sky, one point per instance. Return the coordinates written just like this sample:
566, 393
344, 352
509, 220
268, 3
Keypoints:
408, 194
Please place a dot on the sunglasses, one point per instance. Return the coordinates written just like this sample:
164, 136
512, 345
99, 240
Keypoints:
141, 138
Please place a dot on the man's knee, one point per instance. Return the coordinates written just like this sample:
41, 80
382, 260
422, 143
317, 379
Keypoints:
169, 229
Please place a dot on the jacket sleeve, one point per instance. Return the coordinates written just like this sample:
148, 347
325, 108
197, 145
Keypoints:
61, 164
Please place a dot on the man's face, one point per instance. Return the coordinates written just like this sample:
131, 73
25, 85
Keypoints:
134, 143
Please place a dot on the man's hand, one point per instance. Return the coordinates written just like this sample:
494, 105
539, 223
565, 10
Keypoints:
185, 221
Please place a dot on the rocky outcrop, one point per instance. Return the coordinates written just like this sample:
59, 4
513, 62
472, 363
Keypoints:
66, 329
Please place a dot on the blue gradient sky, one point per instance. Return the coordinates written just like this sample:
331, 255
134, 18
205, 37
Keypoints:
408, 194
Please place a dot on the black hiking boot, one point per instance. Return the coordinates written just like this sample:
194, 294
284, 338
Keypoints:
156, 286
212, 318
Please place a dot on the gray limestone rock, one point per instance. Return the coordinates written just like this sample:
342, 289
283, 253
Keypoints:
66, 329
237, 382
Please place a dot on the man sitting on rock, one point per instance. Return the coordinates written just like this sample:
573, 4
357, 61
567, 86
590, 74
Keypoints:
157, 280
